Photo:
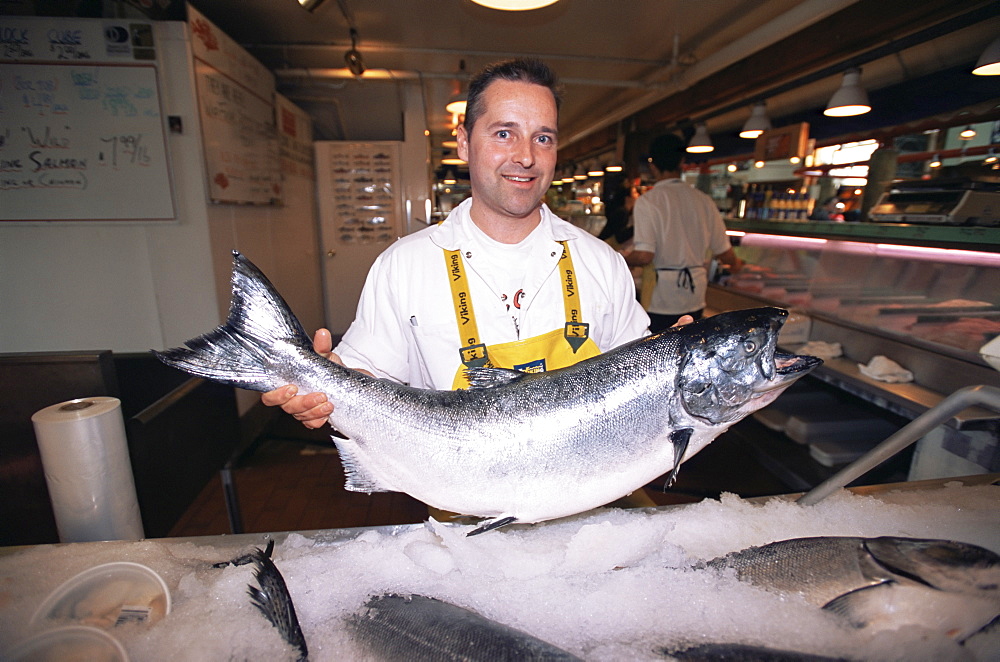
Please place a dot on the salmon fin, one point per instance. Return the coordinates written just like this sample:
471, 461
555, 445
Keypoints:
491, 525
680, 439
358, 479
861, 606
274, 601
490, 377
242, 351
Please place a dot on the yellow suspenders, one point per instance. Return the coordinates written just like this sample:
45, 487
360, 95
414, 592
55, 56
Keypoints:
473, 352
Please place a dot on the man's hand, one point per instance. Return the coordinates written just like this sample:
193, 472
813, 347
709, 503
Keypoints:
311, 409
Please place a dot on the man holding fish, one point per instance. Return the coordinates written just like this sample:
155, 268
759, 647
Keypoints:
501, 282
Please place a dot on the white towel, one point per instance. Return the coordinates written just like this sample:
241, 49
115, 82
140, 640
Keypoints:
885, 370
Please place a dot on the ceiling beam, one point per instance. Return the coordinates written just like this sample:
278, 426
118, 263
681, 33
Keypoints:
832, 41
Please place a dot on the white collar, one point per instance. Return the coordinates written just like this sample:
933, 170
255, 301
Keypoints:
451, 233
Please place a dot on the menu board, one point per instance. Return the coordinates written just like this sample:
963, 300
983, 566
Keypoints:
236, 107
81, 130
295, 136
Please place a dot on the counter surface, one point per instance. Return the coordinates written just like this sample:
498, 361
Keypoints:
575, 583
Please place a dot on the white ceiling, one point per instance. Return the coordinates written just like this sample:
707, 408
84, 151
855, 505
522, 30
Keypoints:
615, 57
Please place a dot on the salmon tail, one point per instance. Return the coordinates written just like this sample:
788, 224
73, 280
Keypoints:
247, 350
275, 603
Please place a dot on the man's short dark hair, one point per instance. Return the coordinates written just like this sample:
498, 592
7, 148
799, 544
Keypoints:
526, 70
666, 152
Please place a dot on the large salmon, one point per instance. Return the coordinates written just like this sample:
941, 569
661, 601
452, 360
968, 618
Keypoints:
516, 446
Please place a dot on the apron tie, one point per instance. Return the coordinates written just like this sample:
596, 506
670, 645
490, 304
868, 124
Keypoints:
684, 278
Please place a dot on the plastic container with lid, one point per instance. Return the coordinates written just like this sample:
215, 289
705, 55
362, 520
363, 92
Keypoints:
107, 595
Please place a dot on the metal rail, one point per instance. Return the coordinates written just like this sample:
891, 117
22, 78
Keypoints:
987, 396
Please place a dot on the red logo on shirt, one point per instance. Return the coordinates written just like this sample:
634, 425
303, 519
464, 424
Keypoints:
517, 299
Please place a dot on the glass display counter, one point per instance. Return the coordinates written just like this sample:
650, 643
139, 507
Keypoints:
946, 299
883, 290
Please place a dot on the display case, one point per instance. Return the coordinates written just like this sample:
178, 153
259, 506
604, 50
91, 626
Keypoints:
926, 297
877, 290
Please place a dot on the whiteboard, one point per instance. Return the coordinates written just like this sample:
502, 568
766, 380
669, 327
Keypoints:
82, 141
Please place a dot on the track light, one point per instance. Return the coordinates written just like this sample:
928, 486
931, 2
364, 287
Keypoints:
850, 99
968, 133
989, 61
353, 57
757, 123
700, 142
936, 161
991, 157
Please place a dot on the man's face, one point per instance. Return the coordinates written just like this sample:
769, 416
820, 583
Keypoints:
511, 150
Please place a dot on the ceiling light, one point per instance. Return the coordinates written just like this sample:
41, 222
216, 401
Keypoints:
456, 104
614, 168
989, 61
968, 133
991, 158
568, 179
700, 142
515, 5
580, 175
452, 161
758, 164
310, 5
850, 99
353, 57
936, 161
757, 123
732, 167
450, 144
595, 172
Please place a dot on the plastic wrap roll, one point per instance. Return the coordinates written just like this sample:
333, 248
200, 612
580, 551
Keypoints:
87, 469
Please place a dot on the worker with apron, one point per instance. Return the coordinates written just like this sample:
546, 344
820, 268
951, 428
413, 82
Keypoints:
678, 230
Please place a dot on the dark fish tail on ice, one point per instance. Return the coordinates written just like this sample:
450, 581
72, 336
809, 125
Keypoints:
274, 601
244, 559
416, 628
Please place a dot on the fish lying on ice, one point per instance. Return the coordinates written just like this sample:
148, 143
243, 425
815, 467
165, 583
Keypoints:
516, 446
882, 583
416, 628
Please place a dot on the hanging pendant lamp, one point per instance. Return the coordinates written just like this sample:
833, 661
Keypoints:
700, 142
850, 99
757, 123
989, 61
